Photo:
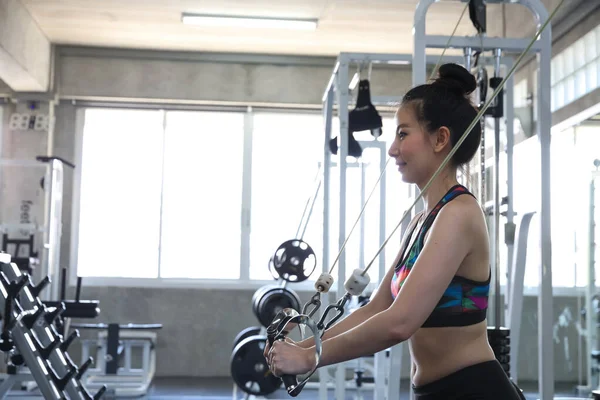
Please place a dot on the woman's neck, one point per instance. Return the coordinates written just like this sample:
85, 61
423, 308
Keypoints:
438, 188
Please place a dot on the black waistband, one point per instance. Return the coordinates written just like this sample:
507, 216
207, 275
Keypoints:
463, 374
440, 318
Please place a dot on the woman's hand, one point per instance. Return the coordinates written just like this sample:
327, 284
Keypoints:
268, 347
287, 358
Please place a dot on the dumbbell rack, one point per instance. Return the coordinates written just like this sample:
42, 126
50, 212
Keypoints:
29, 334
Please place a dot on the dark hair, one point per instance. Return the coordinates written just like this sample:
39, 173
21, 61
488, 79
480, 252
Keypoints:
446, 102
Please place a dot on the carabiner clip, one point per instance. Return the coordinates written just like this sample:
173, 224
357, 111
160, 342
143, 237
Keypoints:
315, 301
339, 306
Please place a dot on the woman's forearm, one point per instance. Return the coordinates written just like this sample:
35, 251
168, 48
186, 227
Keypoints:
356, 318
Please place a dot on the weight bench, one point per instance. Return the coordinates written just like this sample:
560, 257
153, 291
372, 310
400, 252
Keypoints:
114, 347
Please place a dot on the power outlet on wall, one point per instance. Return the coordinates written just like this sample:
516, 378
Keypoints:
26, 122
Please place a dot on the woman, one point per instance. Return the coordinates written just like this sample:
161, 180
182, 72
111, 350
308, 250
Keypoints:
435, 294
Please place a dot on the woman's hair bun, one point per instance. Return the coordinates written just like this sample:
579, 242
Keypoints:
456, 77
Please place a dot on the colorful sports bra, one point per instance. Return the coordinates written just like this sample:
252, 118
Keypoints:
465, 301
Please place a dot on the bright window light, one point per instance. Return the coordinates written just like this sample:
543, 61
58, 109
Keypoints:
248, 22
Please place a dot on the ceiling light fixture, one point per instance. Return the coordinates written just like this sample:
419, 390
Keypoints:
248, 22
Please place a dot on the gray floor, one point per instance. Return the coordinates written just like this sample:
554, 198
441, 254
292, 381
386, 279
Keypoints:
222, 388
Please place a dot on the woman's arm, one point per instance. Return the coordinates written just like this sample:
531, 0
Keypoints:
382, 300
443, 252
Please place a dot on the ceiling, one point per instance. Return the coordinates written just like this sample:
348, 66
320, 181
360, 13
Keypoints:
344, 25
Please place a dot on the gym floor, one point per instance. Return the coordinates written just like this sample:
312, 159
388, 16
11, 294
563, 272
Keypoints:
222, 388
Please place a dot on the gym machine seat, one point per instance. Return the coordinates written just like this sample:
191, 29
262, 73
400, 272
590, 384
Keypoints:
114, 347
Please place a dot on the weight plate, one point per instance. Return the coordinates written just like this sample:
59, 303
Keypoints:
294, 260
249, 368
503, 358
246, 332
272, 270
500, 350
257, 295
499, 342
498, 332
269, 302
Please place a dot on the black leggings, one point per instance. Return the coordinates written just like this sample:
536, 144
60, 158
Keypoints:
483, 381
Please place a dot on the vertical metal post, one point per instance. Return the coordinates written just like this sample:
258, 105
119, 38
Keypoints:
545, 298
419, 62
343, 99
382, 210
246, 217
361, 247
496, 224
328, 116
510, 228
53, 186
591, 288
468, 58
380, 358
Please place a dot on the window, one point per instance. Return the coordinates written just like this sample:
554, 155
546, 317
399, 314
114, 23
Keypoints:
526, 189
520, 94
202, 194
587, 145
119, 220
572, 155
576, 70
155, 198
286, 152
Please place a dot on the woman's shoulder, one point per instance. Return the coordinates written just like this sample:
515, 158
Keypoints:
463, 211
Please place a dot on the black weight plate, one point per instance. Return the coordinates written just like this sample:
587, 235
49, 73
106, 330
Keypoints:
274, 300
500, 350
244, 333
294, 260
503, 358
498, 332
249, 368
272, 270
257, 296
499, 342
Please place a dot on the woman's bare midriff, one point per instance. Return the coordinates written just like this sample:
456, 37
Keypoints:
438, 352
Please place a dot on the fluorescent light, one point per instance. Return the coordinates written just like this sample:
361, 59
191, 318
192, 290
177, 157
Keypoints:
248, 22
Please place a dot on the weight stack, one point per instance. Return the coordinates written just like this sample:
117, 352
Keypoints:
499, 339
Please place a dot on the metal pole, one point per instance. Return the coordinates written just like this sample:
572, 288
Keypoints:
361, 247
468, 58
510, 227
496, 236
544, 121
343, 99
591, 288
246, 222
328, 116
53, 185
381, 361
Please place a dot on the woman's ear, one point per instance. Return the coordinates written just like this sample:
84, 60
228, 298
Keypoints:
441, 139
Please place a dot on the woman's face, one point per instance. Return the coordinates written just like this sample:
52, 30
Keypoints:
412, 148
